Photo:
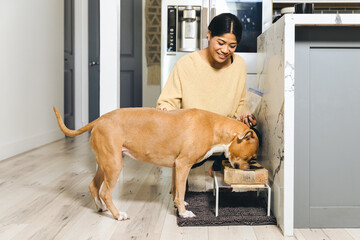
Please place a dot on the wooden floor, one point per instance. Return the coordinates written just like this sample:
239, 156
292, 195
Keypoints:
44, 195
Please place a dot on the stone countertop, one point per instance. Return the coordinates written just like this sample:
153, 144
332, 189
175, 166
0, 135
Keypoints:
322, 19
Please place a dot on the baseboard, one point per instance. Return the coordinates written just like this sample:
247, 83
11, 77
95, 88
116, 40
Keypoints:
23, 145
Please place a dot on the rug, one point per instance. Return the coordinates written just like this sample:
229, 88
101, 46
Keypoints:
235, 208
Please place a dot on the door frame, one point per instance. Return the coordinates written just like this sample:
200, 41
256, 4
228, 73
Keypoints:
81, 58
109, 55
81, 63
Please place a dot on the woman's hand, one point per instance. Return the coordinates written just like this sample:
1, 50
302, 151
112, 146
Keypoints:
249, 120
163, 109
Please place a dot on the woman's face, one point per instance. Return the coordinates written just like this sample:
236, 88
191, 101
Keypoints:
222, 47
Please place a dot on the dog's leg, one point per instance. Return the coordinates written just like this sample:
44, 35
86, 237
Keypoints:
173, 188
182, 172
112, 171
94, 188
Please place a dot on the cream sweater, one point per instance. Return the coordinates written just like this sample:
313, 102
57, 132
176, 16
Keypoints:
193, 83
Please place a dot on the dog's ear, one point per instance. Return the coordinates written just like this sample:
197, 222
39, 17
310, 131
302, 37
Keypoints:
246, 135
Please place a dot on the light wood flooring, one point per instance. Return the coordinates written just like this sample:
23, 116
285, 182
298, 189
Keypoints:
44, 195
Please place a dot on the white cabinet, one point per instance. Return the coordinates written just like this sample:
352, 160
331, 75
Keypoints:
316, 1
276, 114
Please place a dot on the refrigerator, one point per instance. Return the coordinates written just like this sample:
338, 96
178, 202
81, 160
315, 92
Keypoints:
184, 29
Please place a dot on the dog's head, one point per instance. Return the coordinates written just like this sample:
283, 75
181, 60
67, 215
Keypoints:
242, 149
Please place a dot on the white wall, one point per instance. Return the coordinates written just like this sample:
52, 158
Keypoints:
109, 59
81, 58
109, 55
150, 92
31, 73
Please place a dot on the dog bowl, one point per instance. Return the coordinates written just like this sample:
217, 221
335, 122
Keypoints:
255, 175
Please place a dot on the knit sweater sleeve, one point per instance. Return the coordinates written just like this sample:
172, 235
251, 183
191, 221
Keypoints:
171, 96
242, 107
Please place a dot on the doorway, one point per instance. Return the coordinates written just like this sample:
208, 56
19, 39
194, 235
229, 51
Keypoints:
69, 85
94, 59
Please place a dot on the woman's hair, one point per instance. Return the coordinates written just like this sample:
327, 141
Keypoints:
226, 23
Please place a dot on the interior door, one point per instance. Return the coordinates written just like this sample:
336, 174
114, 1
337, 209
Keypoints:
94, 59
131, 54
69, 85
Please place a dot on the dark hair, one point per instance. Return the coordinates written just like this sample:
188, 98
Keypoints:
226, 23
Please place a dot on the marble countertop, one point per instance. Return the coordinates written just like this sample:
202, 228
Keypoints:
288, 23
323, 19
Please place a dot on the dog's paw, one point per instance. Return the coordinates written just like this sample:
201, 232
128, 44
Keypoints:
185, 203
101, 207
123, 216
187, 214
102, 210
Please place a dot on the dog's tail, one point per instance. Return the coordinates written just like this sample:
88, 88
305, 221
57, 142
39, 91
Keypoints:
69, 132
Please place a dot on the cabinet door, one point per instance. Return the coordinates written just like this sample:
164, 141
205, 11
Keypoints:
327, 100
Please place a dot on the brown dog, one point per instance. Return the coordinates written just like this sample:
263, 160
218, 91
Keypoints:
177, 139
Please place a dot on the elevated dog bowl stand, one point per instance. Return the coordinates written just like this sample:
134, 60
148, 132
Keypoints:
219, 183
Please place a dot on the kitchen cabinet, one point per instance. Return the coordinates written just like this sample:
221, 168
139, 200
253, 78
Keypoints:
327, 84
316, 1
282, 122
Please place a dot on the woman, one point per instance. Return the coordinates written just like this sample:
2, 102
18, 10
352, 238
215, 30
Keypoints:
212, 79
